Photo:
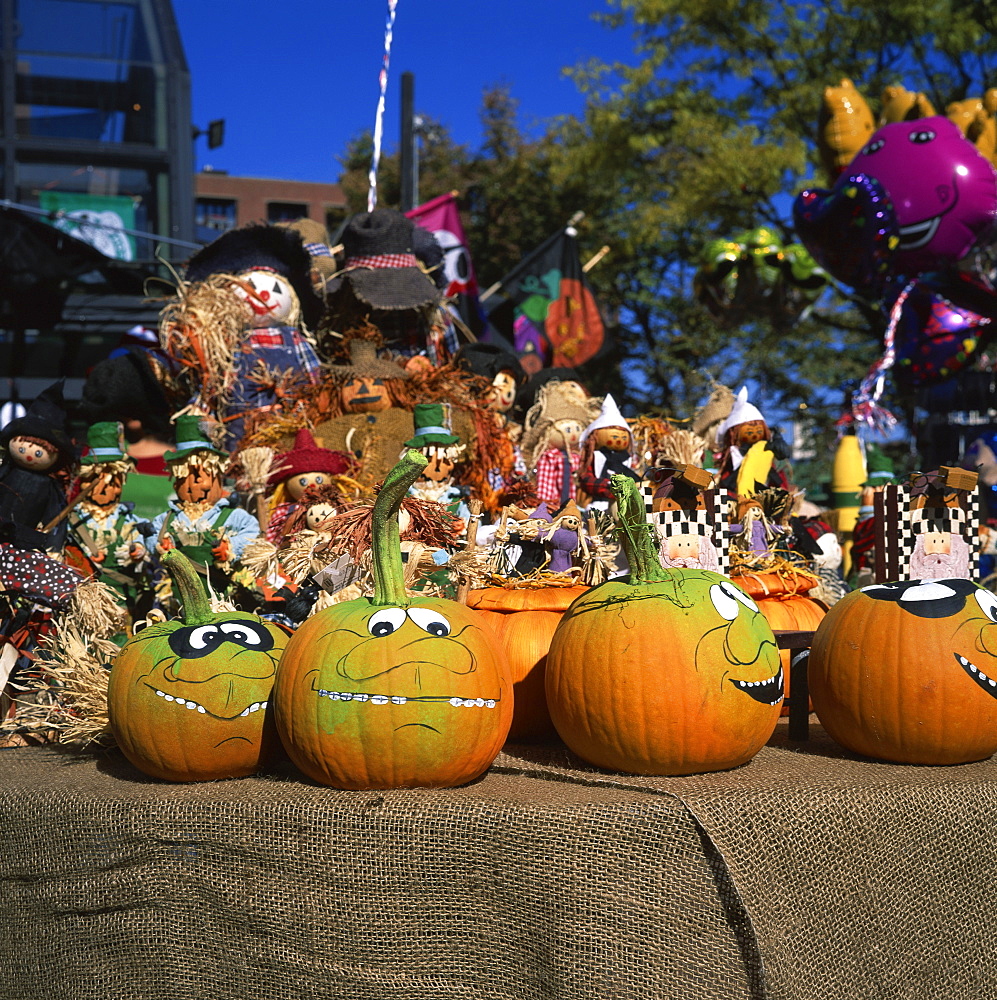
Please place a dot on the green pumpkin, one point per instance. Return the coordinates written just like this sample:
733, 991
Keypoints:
188, 700
393, 691
672, 671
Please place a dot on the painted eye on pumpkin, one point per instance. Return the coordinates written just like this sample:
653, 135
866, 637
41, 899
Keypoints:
988, 603
728, 600
386, 621
200, 640
430, 621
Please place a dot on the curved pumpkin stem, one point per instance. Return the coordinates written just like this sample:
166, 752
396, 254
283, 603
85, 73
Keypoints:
389, 576
635, 533
195, 605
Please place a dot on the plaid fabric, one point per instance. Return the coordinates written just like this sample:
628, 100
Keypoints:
383, 260
550, 475
318, 250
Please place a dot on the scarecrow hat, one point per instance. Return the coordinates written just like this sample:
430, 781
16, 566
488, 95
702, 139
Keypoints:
307, 456
430, 428
316, 240
381, 265
45, 419
879, 467
570, 509
261, 248
364, 363
742, 412
104, 444
609, 416
190, 439
489, 360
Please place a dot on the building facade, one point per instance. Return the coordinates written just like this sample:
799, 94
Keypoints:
96, 117
224, 202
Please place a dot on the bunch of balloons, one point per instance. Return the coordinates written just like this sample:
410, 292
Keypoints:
910, 223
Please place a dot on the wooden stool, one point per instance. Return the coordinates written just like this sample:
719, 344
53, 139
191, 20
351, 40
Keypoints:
798, 702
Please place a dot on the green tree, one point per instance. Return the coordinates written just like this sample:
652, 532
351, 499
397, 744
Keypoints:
713, 129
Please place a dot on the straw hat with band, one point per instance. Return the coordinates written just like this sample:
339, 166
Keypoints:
364, 363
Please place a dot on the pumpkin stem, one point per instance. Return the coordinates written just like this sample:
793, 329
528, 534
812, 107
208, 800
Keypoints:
195, 607
389, 577
635, 533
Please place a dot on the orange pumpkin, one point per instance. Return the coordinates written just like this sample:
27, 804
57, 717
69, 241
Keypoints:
673, 672
907, 672
393, 691
187, 700
524, 622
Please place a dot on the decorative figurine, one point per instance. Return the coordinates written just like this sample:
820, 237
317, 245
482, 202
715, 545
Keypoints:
607, 449
205, 522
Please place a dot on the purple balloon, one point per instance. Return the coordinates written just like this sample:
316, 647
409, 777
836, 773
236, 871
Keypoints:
943, 190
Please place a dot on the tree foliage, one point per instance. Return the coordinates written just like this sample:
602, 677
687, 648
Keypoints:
711, 128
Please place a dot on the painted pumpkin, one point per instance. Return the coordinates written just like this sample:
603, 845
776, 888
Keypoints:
782, 598
907, 672
675, 671
188, 700
393, 691
524, 622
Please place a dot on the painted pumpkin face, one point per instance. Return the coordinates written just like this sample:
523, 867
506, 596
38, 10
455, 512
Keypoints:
365, 395
908, 671
188, 702
373, 696
705, 698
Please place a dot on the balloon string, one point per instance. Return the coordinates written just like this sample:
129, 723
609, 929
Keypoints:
375, 158
866, 408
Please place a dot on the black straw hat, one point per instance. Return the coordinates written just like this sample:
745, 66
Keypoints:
381, 263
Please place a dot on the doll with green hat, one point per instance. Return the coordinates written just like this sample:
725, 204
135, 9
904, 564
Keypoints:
204, 520
108, 531
443, 450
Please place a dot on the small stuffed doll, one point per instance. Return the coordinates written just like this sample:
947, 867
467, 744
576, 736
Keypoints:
35, 467
108, 531
743, 428
204, 521
551, 441
561, 540
303, 466
444, 451
240, 325
607, 449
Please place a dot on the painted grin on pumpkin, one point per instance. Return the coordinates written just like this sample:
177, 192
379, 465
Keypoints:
768, 692
987, 683
188, 703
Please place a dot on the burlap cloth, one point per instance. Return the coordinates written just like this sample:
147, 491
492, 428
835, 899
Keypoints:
807, 873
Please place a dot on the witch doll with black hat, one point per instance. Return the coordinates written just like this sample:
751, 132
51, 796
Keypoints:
240, 325
35, 467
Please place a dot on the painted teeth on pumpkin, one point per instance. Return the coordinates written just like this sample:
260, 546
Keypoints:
397, 699
769, 692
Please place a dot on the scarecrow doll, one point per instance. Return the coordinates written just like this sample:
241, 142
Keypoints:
444, 451
386, 281
108, 531
743, 429
36, 460
293, 472
204, 522
374, 419
239, 327
551, 440
607, 449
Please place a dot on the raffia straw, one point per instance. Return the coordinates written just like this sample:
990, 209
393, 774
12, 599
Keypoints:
683, 447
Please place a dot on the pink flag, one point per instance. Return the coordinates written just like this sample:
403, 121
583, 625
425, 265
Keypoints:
441, 218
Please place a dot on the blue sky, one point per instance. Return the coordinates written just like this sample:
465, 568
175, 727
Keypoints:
296, 80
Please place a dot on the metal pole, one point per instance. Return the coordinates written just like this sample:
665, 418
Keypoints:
409, 151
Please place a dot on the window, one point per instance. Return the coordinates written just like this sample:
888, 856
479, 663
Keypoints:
286, 211
218, 214
85, 71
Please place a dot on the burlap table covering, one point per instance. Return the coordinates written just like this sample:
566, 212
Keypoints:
807, 873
